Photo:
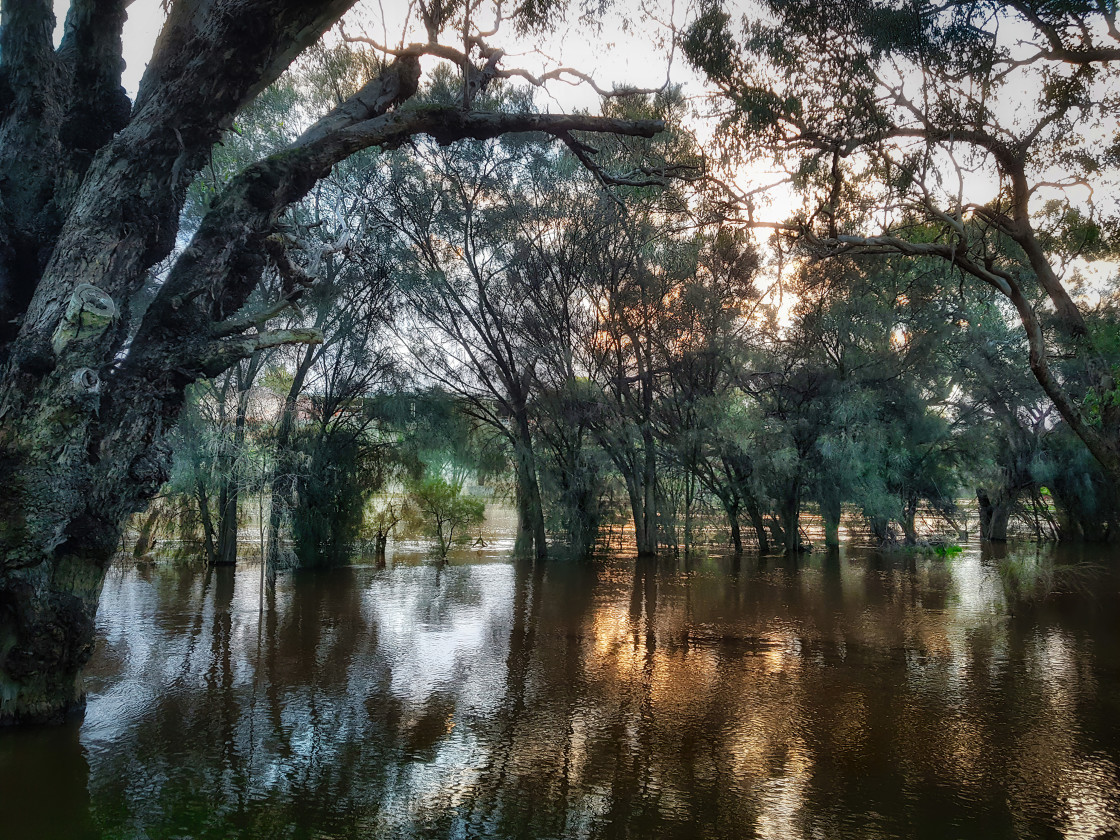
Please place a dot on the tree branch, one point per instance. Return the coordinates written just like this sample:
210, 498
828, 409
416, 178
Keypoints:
220, 356
91, 51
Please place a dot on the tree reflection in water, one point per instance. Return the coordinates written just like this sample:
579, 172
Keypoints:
839, 695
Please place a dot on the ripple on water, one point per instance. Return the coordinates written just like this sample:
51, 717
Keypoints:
870, 696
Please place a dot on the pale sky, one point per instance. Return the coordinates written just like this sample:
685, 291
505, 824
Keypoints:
612, 56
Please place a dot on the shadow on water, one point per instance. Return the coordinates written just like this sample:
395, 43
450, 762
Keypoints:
840, 694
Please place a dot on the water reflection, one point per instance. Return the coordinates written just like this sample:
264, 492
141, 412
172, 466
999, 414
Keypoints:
838, 695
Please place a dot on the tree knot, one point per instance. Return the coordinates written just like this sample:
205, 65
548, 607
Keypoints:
88, 314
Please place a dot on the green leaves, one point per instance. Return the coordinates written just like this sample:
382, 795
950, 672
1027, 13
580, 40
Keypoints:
443, 511
709, 45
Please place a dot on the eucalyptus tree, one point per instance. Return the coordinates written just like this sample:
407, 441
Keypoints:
1028, 465
93, 188
556, 321
970, 132
350, 304
1008, 415
707, 329
854, 397
339, 446
460, 216
631, 275
212, 448
637, 254
443, 510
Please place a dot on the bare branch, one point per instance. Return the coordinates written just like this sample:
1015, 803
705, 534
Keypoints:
566, 75
221, 355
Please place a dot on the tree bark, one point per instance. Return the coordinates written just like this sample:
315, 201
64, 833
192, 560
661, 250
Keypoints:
531, 528
144, 540
648, 539
909, 529
994, 515
830, 514
880, 528
790, 515
207, 521
736, 533
759, 525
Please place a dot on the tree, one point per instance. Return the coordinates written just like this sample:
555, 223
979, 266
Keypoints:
705, 334
211, 446
443, 510
338, 446
92, 200
458, 216
890, 117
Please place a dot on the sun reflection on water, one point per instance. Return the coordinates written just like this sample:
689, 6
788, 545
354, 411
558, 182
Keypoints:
864, 696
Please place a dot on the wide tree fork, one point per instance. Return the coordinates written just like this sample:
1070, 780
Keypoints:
92, 194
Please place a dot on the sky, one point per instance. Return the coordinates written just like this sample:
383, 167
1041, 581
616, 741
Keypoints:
622, 53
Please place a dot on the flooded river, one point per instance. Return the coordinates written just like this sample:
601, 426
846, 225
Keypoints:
859, 695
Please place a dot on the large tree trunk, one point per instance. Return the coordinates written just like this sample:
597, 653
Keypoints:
81, 445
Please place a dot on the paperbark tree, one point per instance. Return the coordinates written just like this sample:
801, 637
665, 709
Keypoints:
91, 197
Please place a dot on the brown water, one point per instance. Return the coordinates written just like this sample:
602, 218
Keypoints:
860, 696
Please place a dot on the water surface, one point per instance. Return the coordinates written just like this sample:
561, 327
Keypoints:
864, 695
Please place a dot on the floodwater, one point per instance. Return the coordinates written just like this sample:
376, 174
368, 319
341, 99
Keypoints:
859, 695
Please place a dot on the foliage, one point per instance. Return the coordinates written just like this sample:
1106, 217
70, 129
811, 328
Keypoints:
443, 511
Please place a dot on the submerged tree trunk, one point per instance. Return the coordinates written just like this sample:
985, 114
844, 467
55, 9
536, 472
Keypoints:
227, 523
689, 500
908, 521
648, 536
207, 521
994, 515
145, 540
283, 482
530, 511
777, 532
880, 528
759, 525
790, 514
229, 498
830, 514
